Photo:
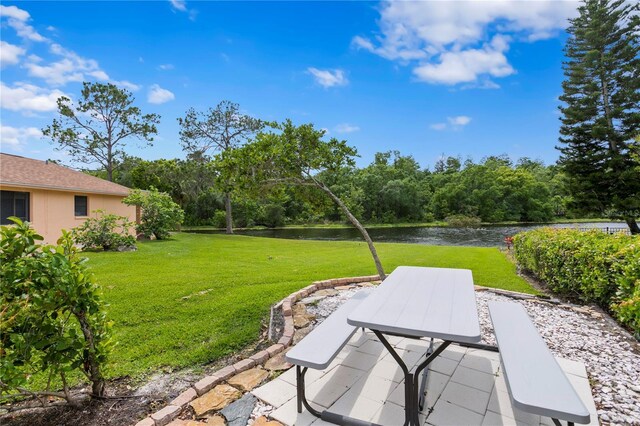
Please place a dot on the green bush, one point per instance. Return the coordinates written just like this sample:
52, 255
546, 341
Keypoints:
461, 221
52, 320
105, 231
273, 216
219, 219
592, 267
159, 213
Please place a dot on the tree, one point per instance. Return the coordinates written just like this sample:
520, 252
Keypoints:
220, 129
97, 128
296, 155
159, 213
601, 111
52, 316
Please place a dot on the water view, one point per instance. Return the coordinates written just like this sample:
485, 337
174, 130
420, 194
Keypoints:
487, 236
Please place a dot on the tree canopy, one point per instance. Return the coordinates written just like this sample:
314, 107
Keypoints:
97, 127
218, 130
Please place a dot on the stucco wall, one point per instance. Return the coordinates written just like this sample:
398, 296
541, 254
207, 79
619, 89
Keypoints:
51, 211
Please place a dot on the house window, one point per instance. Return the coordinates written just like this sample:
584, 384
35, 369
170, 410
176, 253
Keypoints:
14, 204
81, 205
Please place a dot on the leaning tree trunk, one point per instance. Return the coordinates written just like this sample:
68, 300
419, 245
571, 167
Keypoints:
227, 208
355, 223
633, 225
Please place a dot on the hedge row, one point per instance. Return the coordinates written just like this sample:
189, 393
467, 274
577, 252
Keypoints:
592, 267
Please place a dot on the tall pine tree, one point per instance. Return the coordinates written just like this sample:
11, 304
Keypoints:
601, 111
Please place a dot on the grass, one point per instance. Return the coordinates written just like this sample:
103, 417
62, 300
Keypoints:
193, 299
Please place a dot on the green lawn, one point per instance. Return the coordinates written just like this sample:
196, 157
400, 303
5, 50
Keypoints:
240, 277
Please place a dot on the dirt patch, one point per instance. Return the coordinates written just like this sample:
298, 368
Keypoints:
128, 401
124, 409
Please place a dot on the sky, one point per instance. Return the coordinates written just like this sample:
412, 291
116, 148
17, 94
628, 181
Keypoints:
427, 78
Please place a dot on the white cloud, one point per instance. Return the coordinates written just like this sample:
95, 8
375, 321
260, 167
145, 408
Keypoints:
454, 123
71, 67
459, 120
13, 12
17, 19
446, 42
17, 137
67, 66
127, 85
27, 97
329, 78
180, 5
165, 67
346, 128
158, 95
9, 53
465, 66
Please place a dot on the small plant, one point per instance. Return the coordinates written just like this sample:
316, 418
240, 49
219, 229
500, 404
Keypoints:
509, 242
104, 231
159, 213
52, 320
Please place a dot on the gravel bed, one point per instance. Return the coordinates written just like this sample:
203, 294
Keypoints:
611, 357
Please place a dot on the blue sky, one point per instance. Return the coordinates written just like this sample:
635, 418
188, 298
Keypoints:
468, 78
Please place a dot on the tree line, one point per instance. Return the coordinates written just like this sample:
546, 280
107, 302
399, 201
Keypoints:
394, 188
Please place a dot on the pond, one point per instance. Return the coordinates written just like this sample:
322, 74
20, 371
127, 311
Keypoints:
488, 236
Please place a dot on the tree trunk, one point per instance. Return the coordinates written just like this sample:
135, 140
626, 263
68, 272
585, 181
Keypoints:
227, 207
91, 365
613, 147
357, 224
109, 173
633, 225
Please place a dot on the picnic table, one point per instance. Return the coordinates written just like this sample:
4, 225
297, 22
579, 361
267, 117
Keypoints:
418, 302
439, 303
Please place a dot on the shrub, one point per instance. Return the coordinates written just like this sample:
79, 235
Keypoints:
462, 221
587, 266
105, 231
53, 320
273, 215
159, 213
219, 219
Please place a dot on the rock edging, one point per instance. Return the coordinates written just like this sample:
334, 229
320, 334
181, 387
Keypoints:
171, 411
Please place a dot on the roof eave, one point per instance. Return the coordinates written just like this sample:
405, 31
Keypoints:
65, 189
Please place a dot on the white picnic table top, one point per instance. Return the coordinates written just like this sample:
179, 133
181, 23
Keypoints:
422, 302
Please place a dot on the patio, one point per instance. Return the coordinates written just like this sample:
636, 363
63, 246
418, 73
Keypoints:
465, 387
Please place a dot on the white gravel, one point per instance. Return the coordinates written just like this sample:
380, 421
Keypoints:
261, 409
611, 357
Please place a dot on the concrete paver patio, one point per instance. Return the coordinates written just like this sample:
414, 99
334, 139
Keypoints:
465, 387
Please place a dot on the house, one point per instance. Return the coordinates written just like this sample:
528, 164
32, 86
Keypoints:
53, 197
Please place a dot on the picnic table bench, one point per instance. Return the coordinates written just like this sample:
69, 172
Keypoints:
535, 381
320, 347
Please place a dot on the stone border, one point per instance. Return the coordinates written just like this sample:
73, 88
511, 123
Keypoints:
174, 408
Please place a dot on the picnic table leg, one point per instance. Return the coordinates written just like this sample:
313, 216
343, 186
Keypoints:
410, 407
423, 366
423, 383
301, 395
